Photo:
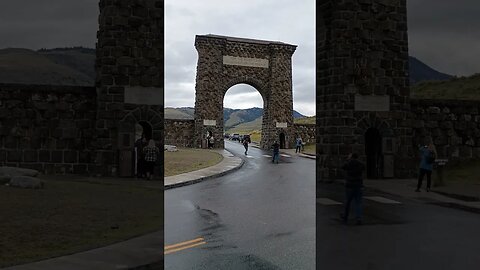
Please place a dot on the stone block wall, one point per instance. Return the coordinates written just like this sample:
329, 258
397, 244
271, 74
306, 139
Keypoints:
47, 128
452, 125
180, 132
306, 132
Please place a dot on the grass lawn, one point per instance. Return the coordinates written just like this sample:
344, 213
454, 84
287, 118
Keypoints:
256, 136
310, 149
187, 160
467, 172
69, 216
466, 88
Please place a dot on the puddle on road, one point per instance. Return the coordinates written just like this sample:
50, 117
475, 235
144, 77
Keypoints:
188, 205
238, 262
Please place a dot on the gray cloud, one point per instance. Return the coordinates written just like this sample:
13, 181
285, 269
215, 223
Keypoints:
46, 24
442, 33
287, 21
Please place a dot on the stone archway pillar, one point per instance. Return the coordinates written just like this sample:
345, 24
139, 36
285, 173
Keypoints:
226, 61
362, 73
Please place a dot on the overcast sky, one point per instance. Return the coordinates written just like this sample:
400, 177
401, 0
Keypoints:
278, 20
442, 33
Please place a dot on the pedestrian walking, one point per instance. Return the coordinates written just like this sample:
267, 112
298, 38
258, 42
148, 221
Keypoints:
211, 142
245, 144
140, 158
428, 153
298, 145
276, 152
151, 154
353, 187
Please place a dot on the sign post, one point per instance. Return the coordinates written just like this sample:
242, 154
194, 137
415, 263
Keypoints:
440, 166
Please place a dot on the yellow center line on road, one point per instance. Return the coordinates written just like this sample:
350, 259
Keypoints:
184, 245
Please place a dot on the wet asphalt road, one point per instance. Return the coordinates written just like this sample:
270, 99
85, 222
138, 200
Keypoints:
259, 217
411, 235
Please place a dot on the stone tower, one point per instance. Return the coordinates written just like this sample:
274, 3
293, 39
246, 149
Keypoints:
129, 82
363, 87
226, 61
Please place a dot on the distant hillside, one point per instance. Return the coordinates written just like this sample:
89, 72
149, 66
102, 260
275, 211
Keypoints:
233, 118
76, 66
465, 88
419, 72
306, 120
175, 113
247, 127
80, 59
47, 67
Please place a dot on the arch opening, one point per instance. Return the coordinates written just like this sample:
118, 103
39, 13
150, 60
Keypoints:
282, 140
143, 128
373, 151
143, 133
248, 121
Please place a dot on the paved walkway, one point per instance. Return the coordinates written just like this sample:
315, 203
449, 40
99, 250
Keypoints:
228, 164
464, 196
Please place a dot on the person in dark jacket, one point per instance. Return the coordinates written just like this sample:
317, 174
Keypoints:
353, 187
276, 152
245, 144
428, 153
140, 159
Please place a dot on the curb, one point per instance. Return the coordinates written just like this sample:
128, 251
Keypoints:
458, 196
197, 180
150, 266
457, 206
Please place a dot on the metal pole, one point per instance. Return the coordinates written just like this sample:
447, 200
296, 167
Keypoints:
136, 160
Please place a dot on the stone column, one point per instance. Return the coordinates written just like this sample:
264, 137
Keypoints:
362, 53
129, 68
279, 107
208, 92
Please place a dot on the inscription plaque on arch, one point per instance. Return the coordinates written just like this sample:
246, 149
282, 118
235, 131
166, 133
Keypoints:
372, 103
207, 122
281, 125
245, 61
143, 95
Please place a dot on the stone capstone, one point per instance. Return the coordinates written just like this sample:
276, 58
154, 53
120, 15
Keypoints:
26, 182
14, 171
170, 148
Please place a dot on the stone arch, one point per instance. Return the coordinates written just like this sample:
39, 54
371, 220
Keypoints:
226, 61
372, 121
126, 136
253, 82
379, 144
146, 114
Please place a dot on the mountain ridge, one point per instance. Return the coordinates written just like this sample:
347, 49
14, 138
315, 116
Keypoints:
76, 66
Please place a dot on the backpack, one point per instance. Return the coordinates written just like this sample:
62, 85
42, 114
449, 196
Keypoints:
430, 157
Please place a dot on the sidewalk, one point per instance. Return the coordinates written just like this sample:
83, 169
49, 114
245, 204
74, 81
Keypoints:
144, 252
290, 152
463, 196
228, 164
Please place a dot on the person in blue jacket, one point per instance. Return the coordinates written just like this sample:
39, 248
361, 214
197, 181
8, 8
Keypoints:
428, 154
353, 187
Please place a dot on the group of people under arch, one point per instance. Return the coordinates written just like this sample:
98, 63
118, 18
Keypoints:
146, 156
